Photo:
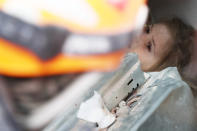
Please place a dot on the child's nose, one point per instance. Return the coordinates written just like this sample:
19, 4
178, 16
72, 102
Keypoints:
144, 38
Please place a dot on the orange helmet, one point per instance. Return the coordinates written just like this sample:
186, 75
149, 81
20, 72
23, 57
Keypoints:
47, 37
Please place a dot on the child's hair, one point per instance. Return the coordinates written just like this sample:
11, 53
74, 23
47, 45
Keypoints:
180, 53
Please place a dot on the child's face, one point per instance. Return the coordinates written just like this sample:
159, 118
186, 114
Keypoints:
152, 45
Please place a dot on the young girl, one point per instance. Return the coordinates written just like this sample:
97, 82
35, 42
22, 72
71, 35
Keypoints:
163, 44
166, 43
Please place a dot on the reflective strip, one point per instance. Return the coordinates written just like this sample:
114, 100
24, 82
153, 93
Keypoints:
77, 44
